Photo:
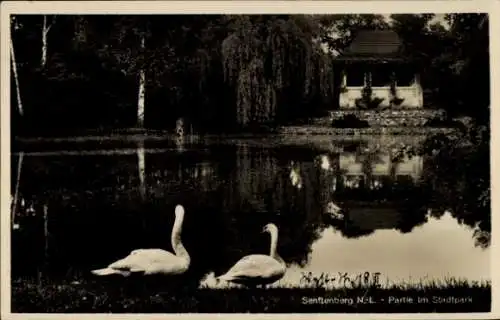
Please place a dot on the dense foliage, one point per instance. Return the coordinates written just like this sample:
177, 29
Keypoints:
219, 72
212, 70
454, 60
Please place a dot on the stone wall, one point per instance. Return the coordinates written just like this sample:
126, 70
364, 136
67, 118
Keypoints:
412, 96
391, 117
309, 130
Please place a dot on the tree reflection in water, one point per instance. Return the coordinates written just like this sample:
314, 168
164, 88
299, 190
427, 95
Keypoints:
230, 191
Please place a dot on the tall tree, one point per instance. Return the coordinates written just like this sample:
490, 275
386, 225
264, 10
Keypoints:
134, 46
414, 31
14, 26
470, 64
337, 31
267, 58
142, 88
45, 31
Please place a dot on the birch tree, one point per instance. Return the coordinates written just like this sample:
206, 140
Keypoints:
142, 89
128, 51
125, 51
14, 26
45, 31
141, 161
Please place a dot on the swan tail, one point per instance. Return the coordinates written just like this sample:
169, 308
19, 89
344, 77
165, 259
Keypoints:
209, 276
208, 281
224, 277
109, 271
120, 264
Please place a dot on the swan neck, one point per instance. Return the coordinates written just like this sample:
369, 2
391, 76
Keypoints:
274, 244
177, 245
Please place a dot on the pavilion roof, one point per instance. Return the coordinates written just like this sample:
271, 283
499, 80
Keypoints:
375, 46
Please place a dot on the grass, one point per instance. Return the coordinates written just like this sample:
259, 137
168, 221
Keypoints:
92, 296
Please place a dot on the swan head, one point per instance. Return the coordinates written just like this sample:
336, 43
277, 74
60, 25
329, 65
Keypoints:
270, 227
179, 211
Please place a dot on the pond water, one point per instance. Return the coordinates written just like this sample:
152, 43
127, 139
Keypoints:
407, 217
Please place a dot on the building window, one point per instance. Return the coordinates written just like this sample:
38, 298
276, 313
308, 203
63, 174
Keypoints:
405, 77
355, 77
381, 76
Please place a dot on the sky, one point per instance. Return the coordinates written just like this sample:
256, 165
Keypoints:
438, 17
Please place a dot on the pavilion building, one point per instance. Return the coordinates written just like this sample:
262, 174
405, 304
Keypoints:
380, 82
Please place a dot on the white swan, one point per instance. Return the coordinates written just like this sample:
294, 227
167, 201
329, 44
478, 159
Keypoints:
154, 261
258, 269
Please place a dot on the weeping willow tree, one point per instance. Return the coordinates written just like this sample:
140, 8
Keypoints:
272, 63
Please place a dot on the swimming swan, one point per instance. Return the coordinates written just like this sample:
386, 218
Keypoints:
154, 261
258, 269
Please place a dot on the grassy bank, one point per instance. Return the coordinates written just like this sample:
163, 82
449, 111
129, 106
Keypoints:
134, 134
323, 138
103, 297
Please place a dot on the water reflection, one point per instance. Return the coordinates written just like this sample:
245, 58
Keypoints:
353, 209
423, 254
142, 168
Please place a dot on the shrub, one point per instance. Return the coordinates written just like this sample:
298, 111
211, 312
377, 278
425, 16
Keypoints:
367, 103
438, 122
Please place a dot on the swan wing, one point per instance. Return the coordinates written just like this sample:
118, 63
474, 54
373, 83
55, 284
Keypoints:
150, 261
158, 261
140, 260
129, 263
153, 255
254, 266
170, 267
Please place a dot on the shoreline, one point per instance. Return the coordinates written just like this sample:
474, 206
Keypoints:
105, 297
322, 139
289, 131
